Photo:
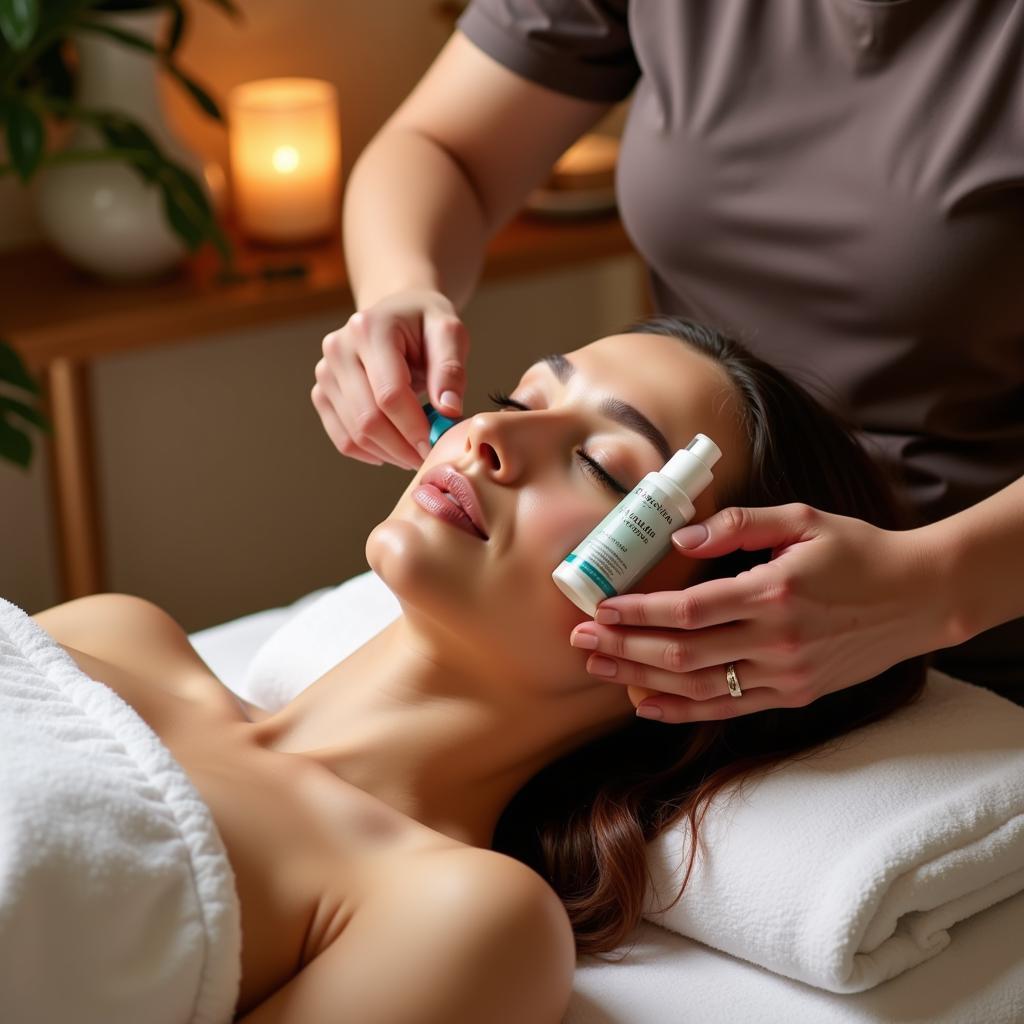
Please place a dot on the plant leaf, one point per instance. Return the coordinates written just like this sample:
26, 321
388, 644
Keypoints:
122, 133
50, 69
26, 412
185, 205
228, 7
219, 240
177, 29
200, 95
12, 370
128, 5
128, 38
14, 444
25, 137
19, 20
180, 217
189, 214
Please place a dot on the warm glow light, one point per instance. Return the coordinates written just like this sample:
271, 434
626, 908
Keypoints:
285, 158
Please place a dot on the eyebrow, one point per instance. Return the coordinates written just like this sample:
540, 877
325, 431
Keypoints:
614, 408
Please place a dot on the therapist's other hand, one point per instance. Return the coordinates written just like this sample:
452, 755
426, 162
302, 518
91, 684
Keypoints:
839, 602
372, 368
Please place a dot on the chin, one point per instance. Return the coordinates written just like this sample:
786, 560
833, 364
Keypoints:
421, 570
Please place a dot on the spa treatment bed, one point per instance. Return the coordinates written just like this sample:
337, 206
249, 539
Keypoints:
932, 898
879, 880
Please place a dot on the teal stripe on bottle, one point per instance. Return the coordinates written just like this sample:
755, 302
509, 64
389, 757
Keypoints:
595, 574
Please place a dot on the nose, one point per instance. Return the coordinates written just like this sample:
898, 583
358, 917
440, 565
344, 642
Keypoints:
507, 444
488, 442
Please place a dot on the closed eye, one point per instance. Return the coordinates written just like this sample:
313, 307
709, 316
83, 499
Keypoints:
587, 462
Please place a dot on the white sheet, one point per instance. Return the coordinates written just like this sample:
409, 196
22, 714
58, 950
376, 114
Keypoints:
977, 979
117, 901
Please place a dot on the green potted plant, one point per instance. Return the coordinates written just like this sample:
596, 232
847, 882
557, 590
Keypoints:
17, 391
37, 78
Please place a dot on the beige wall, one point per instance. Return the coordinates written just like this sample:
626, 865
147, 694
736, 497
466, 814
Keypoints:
220, 491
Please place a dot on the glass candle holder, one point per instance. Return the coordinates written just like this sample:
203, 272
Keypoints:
285, 148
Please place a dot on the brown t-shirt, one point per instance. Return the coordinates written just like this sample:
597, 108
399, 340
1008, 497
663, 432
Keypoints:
840, 184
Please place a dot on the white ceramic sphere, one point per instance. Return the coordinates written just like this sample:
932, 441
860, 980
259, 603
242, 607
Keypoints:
105, 219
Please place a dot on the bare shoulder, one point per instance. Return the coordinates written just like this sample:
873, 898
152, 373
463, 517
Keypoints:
139, 636
480, 889
463, 934
102, 624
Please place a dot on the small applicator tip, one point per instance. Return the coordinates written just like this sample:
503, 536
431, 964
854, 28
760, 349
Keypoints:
438, 423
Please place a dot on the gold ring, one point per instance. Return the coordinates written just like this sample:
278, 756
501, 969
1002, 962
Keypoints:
733, 680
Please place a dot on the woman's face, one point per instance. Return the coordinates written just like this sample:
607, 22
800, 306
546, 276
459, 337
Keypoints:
495, 598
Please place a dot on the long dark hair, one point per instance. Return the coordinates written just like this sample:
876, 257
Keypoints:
584, 821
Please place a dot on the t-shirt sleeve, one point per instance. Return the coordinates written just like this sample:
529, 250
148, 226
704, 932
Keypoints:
579, 47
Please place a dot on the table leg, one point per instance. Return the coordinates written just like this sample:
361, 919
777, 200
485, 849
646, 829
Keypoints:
73, 477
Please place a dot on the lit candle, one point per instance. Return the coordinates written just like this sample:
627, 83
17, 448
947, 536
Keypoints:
285, 158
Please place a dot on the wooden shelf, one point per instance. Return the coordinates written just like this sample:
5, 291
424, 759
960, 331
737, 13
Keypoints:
51, 310
60, 319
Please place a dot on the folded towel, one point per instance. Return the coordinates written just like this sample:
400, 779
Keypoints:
228, 647
323, 632
849, 867
841, 870
117, 902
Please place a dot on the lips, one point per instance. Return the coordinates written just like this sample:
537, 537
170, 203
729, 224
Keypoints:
449, 481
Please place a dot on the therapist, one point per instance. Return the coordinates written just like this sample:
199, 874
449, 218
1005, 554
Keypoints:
839, 183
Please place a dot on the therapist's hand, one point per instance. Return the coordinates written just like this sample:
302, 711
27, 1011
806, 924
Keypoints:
839, 602
372, 368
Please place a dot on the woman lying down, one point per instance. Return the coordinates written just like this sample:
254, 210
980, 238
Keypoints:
432, 830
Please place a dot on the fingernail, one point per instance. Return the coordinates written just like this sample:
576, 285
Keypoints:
585, 640
649, 711
423, 448
690, 536
599, 665
607, 616
452, 400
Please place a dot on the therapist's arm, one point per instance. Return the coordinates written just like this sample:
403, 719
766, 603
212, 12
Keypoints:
984, 546
411, 220
449, 167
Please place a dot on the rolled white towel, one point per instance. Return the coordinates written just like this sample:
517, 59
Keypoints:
117, 901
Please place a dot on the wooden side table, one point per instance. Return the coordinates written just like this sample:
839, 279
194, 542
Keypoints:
60, 320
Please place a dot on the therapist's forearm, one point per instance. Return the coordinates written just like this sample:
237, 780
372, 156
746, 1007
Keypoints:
984, 547
411, 219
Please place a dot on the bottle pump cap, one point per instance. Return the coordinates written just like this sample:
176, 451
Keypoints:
690, 467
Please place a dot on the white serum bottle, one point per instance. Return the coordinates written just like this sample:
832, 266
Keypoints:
628, 542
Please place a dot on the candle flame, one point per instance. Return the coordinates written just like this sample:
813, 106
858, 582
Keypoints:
285, 159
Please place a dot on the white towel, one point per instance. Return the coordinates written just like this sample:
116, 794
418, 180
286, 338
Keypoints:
840, 871
323, 632
117, 902
849, 867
